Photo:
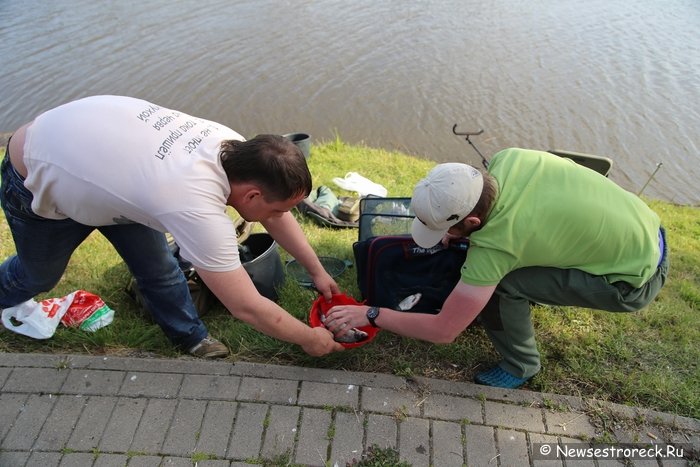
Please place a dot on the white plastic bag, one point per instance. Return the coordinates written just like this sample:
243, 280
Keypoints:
353, 181
40, 319
37, 319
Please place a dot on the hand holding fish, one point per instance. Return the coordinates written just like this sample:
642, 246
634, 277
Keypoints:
323, 344
342, 318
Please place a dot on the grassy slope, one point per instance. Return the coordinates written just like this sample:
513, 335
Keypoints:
649, 358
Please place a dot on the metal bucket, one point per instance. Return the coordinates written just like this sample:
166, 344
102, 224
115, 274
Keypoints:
261, 259
302, 141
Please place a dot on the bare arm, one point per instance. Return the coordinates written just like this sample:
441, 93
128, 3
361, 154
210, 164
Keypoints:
238, 294
461, 308
288, 234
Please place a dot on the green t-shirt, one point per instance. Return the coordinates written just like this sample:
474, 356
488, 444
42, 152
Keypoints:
553, 212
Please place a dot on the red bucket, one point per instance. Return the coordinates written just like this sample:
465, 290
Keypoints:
320, 305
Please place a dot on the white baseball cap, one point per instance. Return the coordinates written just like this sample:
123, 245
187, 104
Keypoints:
442, 199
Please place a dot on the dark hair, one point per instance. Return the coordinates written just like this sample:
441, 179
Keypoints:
488, 196
270, 161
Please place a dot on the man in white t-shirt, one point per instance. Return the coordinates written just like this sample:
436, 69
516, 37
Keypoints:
134, 170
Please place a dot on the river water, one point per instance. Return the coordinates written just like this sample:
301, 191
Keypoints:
617, 78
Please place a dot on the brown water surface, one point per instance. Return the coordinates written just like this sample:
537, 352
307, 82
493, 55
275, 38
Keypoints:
614, 78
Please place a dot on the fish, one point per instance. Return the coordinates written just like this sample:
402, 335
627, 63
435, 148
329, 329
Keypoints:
353, 336
409, 302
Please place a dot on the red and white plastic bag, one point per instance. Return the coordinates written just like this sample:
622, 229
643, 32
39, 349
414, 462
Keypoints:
39, 320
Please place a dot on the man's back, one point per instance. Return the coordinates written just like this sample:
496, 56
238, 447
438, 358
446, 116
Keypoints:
553, 212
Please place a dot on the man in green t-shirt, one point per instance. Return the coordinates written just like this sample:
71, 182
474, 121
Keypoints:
541, 229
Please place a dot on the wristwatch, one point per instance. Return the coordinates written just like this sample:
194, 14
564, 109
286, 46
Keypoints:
372, 313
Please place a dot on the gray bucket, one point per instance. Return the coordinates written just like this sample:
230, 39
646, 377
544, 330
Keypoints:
302, 141
262, 261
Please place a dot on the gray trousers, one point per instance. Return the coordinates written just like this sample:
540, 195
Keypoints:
507, 315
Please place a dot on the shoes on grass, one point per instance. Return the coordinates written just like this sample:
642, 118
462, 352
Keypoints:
349, 209
500, 378
209, 348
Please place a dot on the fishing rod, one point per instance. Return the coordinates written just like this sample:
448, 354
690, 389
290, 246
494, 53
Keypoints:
466, 135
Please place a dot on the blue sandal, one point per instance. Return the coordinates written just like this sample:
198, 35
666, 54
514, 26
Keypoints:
500, 378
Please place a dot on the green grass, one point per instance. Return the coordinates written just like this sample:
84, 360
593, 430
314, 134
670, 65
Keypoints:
649, 358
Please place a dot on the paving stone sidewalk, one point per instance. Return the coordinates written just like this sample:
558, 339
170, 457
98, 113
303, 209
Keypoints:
77, 410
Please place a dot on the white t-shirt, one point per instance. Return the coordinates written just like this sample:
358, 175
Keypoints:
107, 160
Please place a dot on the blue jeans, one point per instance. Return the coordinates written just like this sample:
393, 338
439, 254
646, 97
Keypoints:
44, 247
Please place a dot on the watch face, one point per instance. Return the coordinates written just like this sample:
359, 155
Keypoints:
373, 312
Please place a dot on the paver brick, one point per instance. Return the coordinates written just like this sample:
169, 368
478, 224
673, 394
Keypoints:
76, 459
91, 424
4, 373
246, 438
389, 401
381, 430
182, 436
512, 448
40, 459
540, 439
316, 374
312, 444
281, 430
98, 382
19, 360
152, 365
213, 463
145, 461
10, 406
28, 423
210, 387
514, 416
268, 390
171, 461
164, 385
448, 449
35, 380
111, 460
579, 462
60, 423
347, 439
11, 458
327, 394
121, 428
480, 445
453, 408
569, 423
414, 441
216, 427
154, 425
